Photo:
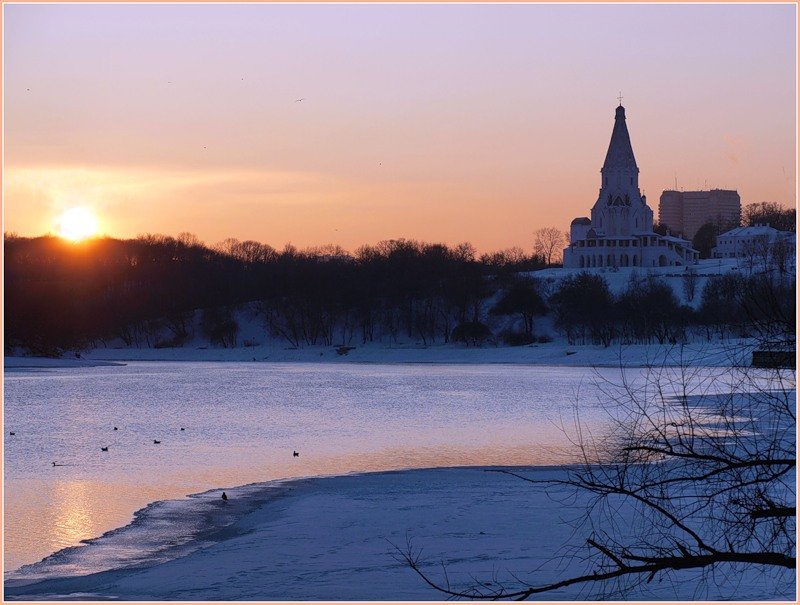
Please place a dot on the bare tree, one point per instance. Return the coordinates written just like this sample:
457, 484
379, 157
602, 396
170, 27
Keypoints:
697, 473
690, 281
248, 251
188, 239
548, 243
769, 213
782, 255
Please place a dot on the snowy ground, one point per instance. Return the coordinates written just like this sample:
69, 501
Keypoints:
559, 353
715, 353
619, 279
335, 538
46, 362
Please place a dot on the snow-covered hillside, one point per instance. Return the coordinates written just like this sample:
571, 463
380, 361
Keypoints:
619, 278
256, 342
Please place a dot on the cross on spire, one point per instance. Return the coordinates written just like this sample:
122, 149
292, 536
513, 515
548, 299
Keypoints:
620, 98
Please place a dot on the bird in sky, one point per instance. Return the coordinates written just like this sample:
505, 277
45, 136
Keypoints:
298, 100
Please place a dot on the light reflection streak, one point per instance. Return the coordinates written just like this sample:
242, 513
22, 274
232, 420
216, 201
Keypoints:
76, 517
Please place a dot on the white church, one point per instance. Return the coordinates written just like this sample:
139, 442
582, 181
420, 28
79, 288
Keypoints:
620, 232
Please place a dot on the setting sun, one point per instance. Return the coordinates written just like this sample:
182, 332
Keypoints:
77, 224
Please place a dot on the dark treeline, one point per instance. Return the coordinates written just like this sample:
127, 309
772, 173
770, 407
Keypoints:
144, 291
731, 305
770, 213
148, 291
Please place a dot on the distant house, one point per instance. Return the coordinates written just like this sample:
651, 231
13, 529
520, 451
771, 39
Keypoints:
620, 231
743, 242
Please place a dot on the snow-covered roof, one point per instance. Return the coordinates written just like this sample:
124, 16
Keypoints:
754, 231
677, 240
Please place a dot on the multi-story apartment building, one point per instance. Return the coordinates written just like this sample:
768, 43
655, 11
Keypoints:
684, 212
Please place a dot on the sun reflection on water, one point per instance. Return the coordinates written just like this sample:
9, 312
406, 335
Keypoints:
75, 516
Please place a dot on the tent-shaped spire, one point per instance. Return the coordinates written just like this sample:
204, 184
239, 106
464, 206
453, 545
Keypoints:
620, 152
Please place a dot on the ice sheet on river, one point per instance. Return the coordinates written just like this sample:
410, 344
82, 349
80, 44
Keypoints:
332, 538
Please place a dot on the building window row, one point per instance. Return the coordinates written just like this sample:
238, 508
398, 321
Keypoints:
610, 260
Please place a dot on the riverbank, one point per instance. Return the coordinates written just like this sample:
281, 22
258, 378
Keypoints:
338, 538
17, 363
725, 353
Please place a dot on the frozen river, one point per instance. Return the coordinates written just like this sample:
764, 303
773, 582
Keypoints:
242, 421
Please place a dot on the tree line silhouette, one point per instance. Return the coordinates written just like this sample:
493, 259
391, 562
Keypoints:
759, 305
146, 291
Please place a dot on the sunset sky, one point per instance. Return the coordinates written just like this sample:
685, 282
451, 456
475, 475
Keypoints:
443, 123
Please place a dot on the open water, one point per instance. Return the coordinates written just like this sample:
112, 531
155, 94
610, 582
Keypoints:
230, 424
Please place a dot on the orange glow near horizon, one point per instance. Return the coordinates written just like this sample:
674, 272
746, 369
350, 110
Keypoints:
453, 123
